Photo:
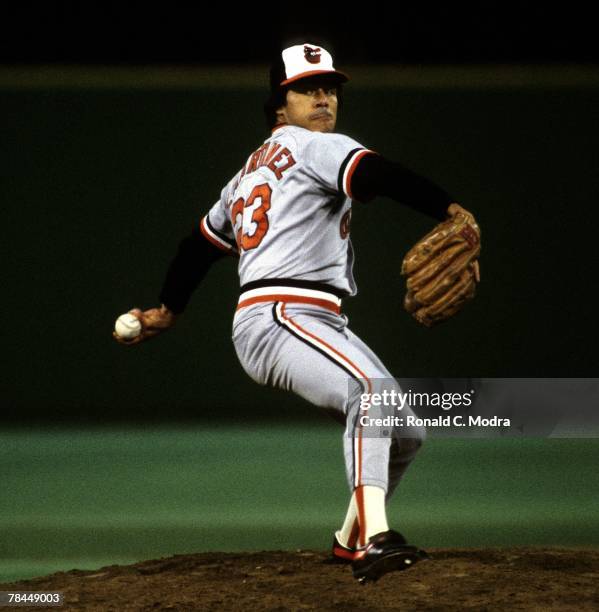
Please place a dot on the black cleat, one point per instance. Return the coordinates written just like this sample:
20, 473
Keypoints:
386, 552
340, 554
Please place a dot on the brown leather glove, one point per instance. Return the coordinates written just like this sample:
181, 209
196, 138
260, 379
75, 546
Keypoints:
442, 268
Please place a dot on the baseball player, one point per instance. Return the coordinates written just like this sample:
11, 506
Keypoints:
286, 216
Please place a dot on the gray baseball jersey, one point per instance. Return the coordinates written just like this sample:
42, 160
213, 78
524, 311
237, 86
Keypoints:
287, 211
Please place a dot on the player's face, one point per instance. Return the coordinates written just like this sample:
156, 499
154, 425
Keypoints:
311, 104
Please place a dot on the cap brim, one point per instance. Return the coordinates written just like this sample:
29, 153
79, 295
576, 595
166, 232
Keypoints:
342, 78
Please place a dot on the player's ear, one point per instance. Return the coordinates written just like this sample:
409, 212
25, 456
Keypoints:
281, 114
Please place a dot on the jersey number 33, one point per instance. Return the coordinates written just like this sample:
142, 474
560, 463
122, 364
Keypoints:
249, 217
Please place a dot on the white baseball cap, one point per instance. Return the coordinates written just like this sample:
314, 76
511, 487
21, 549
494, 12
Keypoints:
301, 61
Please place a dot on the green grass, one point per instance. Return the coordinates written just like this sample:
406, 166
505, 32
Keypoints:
87, 498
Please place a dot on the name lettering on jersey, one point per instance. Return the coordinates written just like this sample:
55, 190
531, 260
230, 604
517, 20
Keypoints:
278, 166
271, 156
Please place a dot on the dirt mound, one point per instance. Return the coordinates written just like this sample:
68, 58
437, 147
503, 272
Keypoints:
480, 579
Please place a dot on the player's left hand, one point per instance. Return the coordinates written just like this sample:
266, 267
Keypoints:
153, 322
442, 268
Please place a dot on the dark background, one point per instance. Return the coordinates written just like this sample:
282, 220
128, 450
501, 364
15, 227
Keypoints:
428, 32
99, 184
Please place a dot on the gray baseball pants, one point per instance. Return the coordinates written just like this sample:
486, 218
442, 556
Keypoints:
309, 350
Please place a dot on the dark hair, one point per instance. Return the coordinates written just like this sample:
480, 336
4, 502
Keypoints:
278, 94
272, 104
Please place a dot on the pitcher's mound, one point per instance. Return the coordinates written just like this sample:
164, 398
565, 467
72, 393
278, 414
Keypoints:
453, 579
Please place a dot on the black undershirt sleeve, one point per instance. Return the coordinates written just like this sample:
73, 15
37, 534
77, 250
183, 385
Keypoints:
376, 176
187, 269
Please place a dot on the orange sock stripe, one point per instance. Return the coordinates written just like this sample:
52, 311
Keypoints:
353, 535
359, 491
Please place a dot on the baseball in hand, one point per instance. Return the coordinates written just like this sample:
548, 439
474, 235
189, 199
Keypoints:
127, 326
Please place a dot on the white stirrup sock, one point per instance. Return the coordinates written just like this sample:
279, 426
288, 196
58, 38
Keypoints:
366, 509
348, 534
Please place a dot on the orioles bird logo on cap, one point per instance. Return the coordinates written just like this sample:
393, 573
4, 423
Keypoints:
312, 55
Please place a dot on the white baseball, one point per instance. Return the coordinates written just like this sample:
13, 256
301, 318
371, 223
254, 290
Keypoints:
127, 326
